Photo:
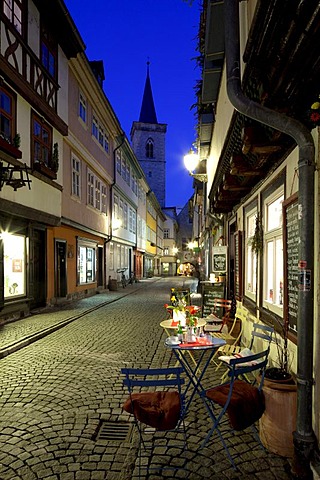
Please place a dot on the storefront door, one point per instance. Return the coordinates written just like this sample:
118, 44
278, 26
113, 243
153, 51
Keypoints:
61, 268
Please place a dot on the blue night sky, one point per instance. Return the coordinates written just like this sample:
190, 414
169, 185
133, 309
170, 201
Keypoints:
125, 34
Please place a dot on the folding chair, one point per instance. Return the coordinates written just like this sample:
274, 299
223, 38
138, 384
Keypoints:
236, 402
220, 311
162, 408
260, 331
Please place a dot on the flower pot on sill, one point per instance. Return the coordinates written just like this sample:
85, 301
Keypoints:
277, 424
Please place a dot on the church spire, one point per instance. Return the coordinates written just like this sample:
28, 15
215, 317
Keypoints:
148, 111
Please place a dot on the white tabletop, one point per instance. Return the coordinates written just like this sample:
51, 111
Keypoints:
168, 323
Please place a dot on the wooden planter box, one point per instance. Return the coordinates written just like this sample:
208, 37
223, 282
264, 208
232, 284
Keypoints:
10, 149
42, 168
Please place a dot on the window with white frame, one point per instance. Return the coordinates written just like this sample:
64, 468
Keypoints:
101, 136
166, 233
134, 183
90, 186
99, 133
128, 176
134, 221
97, 194
273, 252
130, 219
106, 143
75, 163
103, 198
13, 9
95, 127
115, 207
86, 263
166, 251
123, 167
118, 162
125, 215
82, 107
121, 216
250, 255
111, 256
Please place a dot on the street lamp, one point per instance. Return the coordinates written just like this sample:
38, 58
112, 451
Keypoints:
191, 162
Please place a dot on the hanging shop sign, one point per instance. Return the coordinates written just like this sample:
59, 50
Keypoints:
219, 259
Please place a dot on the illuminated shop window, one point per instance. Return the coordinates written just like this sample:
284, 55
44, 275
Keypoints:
273, 251
251, 257
87, 264
14, 265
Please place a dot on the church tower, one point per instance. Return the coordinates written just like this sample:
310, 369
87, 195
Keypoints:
148, 139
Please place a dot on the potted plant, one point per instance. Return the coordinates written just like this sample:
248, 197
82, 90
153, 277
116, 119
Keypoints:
280, 391
256, 241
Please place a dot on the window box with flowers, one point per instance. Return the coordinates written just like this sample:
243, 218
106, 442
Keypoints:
11, 149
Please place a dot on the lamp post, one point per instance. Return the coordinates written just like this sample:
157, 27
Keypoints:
197, 169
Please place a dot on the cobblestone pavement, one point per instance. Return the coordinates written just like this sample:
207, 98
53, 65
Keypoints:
58, 388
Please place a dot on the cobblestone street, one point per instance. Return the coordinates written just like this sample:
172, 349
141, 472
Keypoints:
65, 380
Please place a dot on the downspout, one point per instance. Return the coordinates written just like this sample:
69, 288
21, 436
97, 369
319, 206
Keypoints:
304, 437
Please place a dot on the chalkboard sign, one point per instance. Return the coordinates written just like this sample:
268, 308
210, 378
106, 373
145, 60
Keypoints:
291, 259
209, 293
238, 265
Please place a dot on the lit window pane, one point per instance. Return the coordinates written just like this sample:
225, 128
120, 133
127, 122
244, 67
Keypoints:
274, 214
14, 265
269, 272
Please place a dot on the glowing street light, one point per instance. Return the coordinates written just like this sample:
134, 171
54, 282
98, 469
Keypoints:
191, 161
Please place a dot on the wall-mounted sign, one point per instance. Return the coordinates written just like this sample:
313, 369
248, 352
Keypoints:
219, 259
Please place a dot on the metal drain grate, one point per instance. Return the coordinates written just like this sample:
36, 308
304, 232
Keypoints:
113, 431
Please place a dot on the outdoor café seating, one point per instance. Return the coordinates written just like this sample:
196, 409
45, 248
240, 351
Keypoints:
157, 404
237, 404
260, 332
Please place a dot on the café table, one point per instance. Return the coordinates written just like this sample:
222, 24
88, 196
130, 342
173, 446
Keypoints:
170, 327
195, 371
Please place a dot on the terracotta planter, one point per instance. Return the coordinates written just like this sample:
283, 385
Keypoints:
278, 422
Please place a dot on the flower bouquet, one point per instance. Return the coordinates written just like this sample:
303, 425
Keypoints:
315, 113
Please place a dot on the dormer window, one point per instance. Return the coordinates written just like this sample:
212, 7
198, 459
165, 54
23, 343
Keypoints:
149, 148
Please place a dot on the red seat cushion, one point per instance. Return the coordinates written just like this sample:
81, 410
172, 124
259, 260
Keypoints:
160, 410
246, 404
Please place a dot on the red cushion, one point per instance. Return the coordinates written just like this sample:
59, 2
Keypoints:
246, 404
160, 410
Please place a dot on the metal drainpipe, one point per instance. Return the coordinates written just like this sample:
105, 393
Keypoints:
304, 437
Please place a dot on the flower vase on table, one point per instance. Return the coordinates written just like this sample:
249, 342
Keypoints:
180, 317
191, 337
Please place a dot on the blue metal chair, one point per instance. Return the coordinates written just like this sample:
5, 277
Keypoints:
156, 411
261, 332
237, 403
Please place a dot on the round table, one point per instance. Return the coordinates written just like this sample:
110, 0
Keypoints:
167, 325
